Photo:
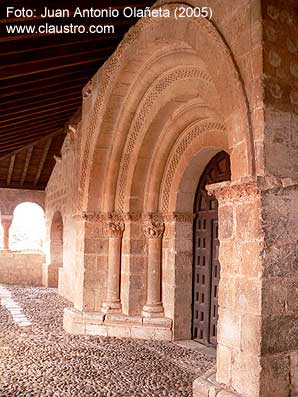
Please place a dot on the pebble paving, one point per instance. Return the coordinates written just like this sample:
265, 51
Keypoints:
42, 360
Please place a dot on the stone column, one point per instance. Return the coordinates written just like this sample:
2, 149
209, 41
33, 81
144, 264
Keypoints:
6, 221
114, 229
153, 230
257, 351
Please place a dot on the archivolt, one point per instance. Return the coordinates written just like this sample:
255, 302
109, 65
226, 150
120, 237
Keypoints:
209, 46
185, 141
138, 130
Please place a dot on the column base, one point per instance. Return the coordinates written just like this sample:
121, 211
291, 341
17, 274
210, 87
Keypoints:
111, 307
206, 386
116, 325
155, 310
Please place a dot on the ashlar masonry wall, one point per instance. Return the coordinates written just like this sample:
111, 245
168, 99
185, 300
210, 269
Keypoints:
61, 197
21, 268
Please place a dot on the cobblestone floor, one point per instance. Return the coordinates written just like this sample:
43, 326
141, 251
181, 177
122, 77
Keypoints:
43, 360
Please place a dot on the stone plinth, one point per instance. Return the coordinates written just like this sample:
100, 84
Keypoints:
116, 325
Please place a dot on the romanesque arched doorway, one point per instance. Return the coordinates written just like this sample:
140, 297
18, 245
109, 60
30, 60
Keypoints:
206, 267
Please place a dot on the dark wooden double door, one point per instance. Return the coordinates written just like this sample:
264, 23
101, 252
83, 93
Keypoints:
206, 266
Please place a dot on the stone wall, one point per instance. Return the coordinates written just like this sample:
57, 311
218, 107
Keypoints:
10, 198
21, 268
281, 92
61, 197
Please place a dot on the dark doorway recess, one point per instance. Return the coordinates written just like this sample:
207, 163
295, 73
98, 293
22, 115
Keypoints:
206, 266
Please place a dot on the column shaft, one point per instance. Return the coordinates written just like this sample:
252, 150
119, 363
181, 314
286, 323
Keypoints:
154, 272
113, 287
114, 229
6, 221
153, 229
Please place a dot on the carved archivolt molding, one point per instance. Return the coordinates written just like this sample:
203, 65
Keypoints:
185, 141
153, 225
109, 74
137, 130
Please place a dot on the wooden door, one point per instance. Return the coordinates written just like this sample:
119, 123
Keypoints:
206, 267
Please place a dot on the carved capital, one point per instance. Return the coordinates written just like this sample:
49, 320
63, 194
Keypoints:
230, 191
6, 220
153, 225
114, 225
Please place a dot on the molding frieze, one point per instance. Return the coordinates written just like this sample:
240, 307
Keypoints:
250, 187
233, 190
179, 217
132, 217
112, 223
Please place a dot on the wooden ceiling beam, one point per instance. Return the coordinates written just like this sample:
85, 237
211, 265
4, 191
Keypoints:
27, 162
22, 139
72, 103
56, 53
75, 89
49, 77
35, 143
45, 128
17, 73
77, 82
57, 58
71, 108
39, 66
42, 161
50, 105
63, 44
10, 170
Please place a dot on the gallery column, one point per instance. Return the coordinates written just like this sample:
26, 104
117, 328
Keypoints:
153, 230
6, 221
114, 228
